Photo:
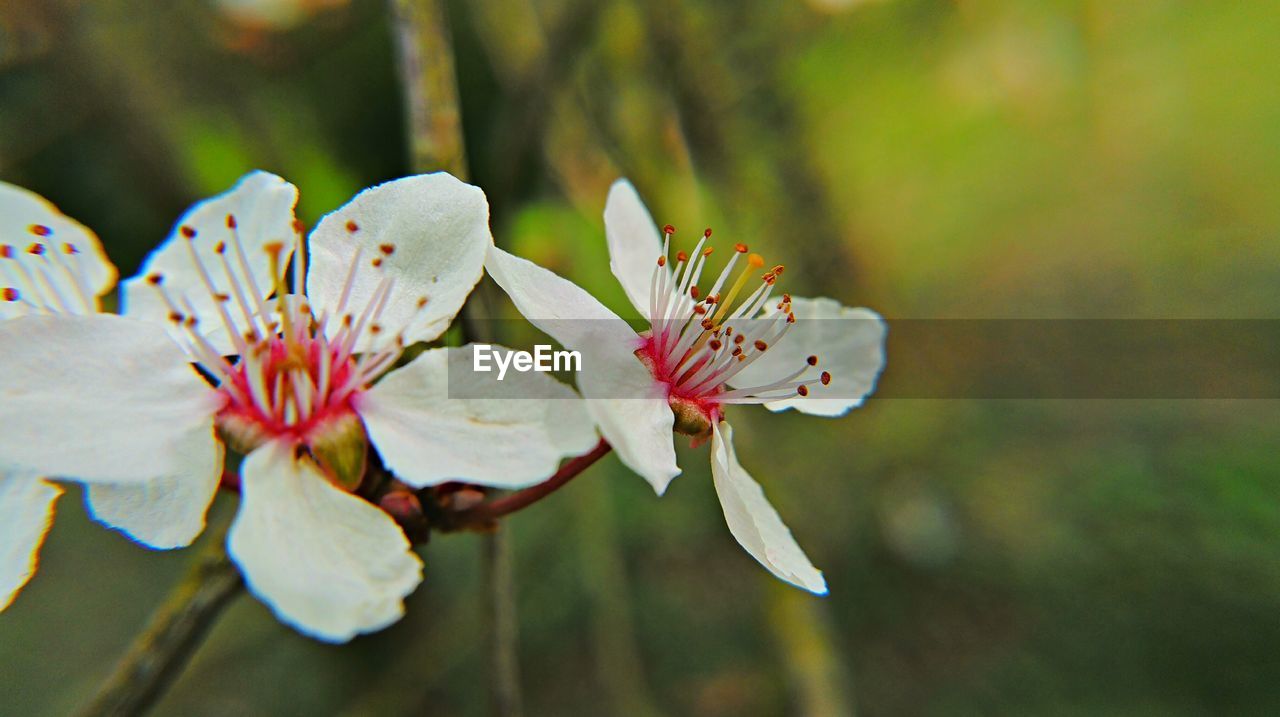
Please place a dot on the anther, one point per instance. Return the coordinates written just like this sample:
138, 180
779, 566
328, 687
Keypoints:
187, 231
37, 248
422, 301
6, 251
813, 360
377, 262
791, 318
825, 378
715, 344
352, 227
40, 230
739, 338
761, 345
681, 256
740, 248
231, 221
176, 317
708, 250
155, 279
662, 261
707, 233
220, 247
668, 230
387, 249
802, 390
699, 309
70, 249
693, 292
778, 269
298, 226
10, 294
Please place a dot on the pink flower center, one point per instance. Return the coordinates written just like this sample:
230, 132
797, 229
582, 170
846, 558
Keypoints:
294, 375
699, 341
290, 390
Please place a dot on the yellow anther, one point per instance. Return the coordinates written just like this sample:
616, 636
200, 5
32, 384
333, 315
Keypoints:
754, 261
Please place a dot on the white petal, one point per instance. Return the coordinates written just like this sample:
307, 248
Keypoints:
436, 229
849, 343
437, 420
70, 270
26, 511
262, 205
629, 407
326, 562
754, 522
163, 513
631, 411
634, 243
101, 398
554, 304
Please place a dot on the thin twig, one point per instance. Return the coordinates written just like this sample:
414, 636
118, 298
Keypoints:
176, 629
430, 86
512, 502
504, 636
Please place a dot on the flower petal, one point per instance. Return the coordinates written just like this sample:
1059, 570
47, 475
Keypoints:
849, 343
634, 243
49, 262
427, 234
101, 398
554, 304
754, 522
629, 407
163, 513
326, 562
631, 411
262, 207
437, 419
26, 511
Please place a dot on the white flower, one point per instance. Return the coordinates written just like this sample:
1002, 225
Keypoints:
704, 350
114, 398
49, 264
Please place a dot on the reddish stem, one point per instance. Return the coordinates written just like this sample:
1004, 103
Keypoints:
230, 480
523, 498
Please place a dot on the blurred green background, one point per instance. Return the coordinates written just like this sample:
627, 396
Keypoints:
929, 159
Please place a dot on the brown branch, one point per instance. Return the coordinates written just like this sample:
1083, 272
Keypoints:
176, 629
488, 512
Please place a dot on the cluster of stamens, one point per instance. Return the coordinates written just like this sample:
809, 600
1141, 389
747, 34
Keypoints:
293, 375
699, 341
45, 277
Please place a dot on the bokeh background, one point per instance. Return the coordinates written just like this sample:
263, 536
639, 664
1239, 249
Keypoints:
929, 159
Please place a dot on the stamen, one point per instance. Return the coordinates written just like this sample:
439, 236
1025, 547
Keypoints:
755, 261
